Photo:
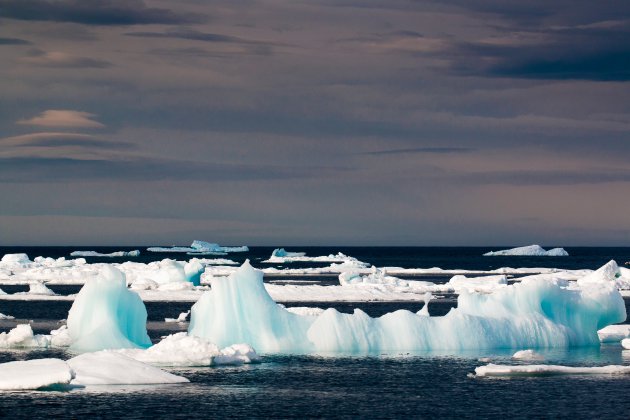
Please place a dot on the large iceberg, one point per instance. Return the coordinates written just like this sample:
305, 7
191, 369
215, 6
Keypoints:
529, 251
533, 314
107, 315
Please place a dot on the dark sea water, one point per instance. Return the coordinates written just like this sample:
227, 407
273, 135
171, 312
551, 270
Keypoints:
283, 386
467, 258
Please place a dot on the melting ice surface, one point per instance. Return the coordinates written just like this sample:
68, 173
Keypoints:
536, 313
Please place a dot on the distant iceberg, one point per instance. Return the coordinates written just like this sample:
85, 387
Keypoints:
529, 251
280, 252
532, 314
200, 248
134, 253
280, 256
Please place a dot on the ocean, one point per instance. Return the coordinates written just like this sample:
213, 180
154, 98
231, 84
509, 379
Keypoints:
423, 385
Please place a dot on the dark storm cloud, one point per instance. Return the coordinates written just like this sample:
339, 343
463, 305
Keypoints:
36, 169
13, 41
421, 150
106, 12
584, 53
533, 12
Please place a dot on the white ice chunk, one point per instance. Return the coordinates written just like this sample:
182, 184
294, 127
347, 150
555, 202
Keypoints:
112, 368
625, 343
60, 337
484, 284
34, 374
614, 333
530, 250
528, 354
182, 349
22, 337
545, 370
16, 259
305, 310
107, 315
37, 288
181, 318
280, 256
3, 316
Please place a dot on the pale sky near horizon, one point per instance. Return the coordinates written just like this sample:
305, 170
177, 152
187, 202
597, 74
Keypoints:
374, 122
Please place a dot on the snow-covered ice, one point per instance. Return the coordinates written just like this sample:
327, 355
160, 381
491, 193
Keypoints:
34, 374
530, 250
182, 350
181, 318
614, 333
113, 368
545, 370
101, 368
528, 354
531, 314
280, 256
107, 315
625, 343
134, 253
22, 337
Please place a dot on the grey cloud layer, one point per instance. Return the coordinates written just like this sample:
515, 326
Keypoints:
417, 122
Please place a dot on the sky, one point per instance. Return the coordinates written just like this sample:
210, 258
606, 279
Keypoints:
316, 122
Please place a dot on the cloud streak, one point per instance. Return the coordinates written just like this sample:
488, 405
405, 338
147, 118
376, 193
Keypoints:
110, 12
63, 118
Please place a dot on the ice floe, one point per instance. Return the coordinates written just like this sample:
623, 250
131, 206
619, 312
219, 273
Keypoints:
89, 369
182, 350
530, 251
181, 318
134, 253
34, 374
614, 333
531, 314
625, 343
528, 354
22, 337
545, 370
379, 278
280, 256
113, 368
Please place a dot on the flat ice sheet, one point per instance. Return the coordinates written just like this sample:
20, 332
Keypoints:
34, 374
546, 370
111, 368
